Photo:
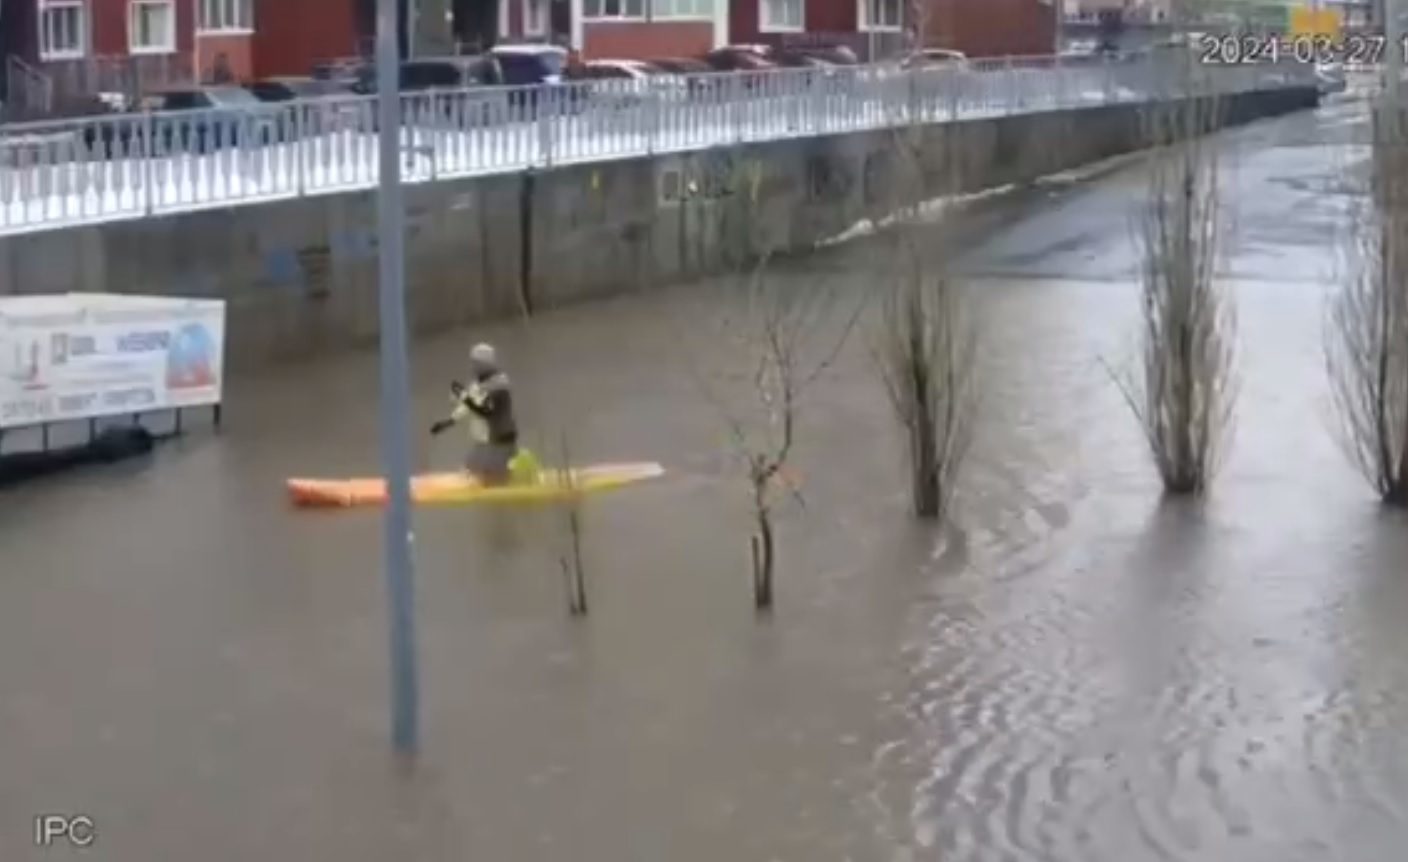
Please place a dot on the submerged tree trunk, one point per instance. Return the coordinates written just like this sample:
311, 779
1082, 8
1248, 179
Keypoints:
764, 549
573, 572
927, 492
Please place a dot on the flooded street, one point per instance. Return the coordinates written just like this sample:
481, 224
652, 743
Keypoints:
1074, 673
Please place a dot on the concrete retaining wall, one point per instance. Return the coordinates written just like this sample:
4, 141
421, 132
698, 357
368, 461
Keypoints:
300, 276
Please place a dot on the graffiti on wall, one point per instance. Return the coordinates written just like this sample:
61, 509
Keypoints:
713, 175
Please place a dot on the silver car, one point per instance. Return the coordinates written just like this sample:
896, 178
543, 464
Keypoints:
629, 82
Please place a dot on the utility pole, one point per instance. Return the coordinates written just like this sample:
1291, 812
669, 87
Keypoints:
1393, 49
395, 397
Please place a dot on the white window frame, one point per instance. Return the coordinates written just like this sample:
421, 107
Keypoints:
866, 14
683, 10
544, 9
768, 23
167, 44
614, 10
80, 9
225, 16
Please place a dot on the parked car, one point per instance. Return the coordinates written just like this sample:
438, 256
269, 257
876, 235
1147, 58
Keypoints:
345, 70
930, 57
832, 55
317, 110
630, 81
458, 89
288, 89
740, 58
433, 73
537, 70
811, 57
682, 65
196, 119
694, 71
798, 57
531, 63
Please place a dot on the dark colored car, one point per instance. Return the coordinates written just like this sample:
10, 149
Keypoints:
682, 65
629, 82
196, 119
289, 89
740, 58
433, 73
935, 57
692, 69
456, 89
537, 71
788, 57
317, 110
832, 55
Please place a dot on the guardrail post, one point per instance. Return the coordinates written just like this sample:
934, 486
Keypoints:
1015, 97
544, 110
796, 101
299, 147
736, 91
653, 110
148, 127
436, 111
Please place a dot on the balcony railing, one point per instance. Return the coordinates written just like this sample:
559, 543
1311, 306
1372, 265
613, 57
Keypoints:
82, 80
137, 165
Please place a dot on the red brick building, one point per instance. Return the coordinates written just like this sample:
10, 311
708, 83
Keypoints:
640, 29
992, 28
314, 31
295, 34
874, 28
66, 49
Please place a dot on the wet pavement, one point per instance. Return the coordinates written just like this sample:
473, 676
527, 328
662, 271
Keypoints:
1073, 673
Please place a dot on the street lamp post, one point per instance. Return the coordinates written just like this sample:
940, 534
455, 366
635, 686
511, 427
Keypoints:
395, 399
1393, 47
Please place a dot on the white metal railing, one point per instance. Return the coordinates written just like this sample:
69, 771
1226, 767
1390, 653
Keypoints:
136, 165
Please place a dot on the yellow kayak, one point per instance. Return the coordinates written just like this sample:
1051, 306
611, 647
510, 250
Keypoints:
448, 488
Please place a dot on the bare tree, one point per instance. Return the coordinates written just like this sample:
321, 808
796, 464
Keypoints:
574, 573
1184, 391
566, 525
926, 361
1367, 337
926, 342
790, 333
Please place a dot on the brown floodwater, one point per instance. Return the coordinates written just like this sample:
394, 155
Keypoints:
1073, 672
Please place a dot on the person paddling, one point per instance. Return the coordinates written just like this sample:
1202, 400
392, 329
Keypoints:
487, 404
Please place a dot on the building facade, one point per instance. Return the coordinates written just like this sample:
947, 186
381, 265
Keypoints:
318, 31
641, 29
991, 28
620, 29
879, 28
870, 28
61, 51
293, 36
